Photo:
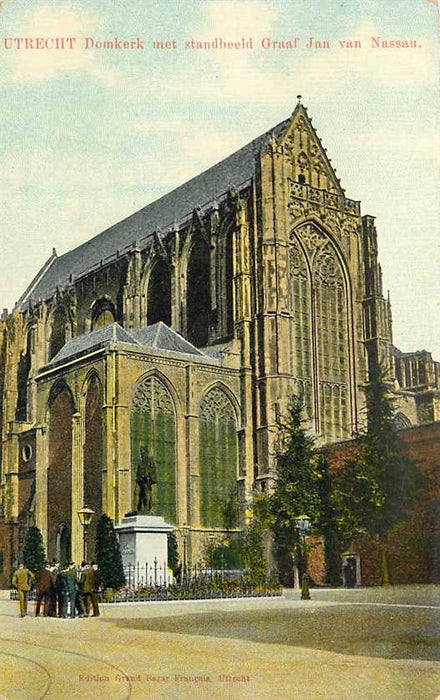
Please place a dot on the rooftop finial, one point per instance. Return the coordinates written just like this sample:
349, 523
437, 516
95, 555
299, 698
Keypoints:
299, 98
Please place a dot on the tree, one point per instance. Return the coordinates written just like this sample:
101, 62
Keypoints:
328, 525
108, 554
173, 555
297, 491
33, 551
375, 489
253, 552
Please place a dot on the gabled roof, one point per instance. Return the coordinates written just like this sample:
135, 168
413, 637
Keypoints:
230, 173
86, 342
160, 337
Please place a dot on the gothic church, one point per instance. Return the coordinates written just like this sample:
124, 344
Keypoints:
184, 329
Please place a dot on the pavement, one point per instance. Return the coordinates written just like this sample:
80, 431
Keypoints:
366, 643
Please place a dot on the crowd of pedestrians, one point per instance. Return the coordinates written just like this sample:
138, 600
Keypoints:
60, 591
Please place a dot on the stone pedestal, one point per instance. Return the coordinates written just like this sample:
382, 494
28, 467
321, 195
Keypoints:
144, 549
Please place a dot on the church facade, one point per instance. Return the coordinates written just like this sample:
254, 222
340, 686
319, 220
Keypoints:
183, 330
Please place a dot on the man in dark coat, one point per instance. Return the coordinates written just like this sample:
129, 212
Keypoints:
96, 588
22, 581
44, 585
79, 600
70, 580
61, 592
52, 604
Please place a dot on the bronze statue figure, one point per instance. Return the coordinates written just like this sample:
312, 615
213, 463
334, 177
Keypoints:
146, 477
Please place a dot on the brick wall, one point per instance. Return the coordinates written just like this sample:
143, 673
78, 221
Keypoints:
413, 545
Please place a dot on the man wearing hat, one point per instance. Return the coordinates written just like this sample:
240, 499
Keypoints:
22, 580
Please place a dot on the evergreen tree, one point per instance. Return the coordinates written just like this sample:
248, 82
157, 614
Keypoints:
253, 550
33, 551
173, 555
108, 554
375, 489
297, 491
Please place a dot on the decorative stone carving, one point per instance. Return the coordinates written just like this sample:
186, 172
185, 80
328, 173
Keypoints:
297, 262
303, 161
311, 237
326, 267
151, 396
297, 208
216, 406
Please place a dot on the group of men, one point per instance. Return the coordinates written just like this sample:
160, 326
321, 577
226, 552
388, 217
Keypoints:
60, 589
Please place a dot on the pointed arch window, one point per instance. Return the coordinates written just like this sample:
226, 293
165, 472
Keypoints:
159, 294
93, 451
321, 328
103, 312
59, 472
198, 293
217, 455
58, 331
153, 426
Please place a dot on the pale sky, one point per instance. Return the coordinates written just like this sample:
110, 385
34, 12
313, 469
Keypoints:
90, 136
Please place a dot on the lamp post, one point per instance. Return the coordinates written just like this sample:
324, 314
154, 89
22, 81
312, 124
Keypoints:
302, 524
85, 515
184, 531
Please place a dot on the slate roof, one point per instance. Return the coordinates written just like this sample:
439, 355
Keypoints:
156, 337
228, 174
86, 342
161, 337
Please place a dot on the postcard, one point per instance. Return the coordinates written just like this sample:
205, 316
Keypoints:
210, 207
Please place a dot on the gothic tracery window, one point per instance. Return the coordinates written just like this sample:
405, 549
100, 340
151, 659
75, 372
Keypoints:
321, 325
301, 336
332, 337
218, 456
153, 425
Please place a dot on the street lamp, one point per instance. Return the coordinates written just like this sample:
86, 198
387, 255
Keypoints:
184, 531
85, 515
303, 524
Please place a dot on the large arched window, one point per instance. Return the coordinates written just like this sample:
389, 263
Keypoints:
229, 283
58, 331
159, 294
331, 340
93, 453
301, 328
103, 312
217, 455
198, 294
24, 367
59, 472
153, 427
320, 329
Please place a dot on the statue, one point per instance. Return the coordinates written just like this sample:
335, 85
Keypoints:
146, 477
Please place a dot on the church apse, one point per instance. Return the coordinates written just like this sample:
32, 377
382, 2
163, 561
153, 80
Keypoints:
153, 432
